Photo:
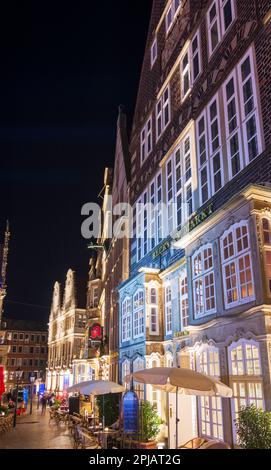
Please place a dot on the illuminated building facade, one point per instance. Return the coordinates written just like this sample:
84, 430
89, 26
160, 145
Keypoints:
67, 325
199, 289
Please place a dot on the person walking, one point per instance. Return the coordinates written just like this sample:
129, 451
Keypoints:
43, 404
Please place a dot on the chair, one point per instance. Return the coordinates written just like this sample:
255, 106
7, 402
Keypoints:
195, 443
215, 445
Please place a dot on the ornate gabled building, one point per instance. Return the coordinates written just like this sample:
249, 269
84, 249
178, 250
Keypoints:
67, 324
198, 293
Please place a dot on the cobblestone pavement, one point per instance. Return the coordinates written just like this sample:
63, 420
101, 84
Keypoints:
35, 432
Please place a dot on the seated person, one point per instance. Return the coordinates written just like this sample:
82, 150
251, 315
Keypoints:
116, 425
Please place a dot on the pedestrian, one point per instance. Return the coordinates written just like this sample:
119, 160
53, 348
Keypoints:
43, 404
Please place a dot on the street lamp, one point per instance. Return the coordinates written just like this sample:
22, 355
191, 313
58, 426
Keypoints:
32, 380
18, 375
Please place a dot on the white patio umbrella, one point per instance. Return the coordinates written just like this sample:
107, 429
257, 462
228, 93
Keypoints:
183, 381
96, 388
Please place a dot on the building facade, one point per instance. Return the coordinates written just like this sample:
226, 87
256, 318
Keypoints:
26, 344
67, 324
198, 293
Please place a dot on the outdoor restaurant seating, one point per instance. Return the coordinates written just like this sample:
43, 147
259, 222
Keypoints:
201, 443
6, 423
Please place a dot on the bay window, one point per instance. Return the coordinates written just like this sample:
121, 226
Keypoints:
245, 376
211, 422
236, 265
126, 319
204, 282
168, 310
138, 314
163, 112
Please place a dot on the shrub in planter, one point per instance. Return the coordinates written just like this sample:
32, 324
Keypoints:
150, 423
253, 428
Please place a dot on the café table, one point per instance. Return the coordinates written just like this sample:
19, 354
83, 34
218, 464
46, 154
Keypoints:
103, 436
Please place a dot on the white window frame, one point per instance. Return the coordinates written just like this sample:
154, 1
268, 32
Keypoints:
184, 298
126, 333
139, 364
164, 103
202, 277
255, 111
154, 52
174, 12
208, 164
193, 55
234, 259
138, 314
219, 18
237, 131
211, 405
186, 70
125, 369
244, 380
168, 309
154, 361
146, 141
218, 150
185, 181
153, 306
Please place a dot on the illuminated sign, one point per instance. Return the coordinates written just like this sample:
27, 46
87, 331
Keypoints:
161, 249
130, 412
195, 222
96, 332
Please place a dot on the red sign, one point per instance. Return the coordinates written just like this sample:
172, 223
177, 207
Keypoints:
2, 385
96, 332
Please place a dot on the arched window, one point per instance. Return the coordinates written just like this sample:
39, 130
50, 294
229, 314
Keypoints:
125, 370
236, 264
153, 309
126, 319
155, 395
245, 376
211, 422
138, 311
138, 364
204, 282
169, 359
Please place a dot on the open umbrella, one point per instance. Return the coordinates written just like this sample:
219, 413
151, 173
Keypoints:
184, 381
97, 387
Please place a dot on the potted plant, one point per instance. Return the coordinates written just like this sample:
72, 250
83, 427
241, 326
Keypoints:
253, 428
150, 423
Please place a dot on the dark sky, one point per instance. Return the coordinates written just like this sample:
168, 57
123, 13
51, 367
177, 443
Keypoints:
65, 68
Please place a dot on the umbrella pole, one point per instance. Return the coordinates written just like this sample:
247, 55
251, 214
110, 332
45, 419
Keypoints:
177, 419
103, 412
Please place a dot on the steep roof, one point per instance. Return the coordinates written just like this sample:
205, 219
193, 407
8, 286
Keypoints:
24, 325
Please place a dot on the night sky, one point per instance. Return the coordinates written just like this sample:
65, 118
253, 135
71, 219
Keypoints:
65, 68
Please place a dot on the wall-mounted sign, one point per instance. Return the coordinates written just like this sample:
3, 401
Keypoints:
195, 222
161, 250
96, 332
130, 412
